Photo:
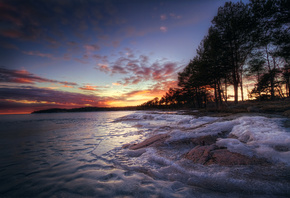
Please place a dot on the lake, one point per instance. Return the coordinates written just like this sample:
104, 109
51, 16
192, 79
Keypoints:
81, 155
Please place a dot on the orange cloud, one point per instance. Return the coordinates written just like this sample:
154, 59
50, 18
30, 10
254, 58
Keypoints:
89, 88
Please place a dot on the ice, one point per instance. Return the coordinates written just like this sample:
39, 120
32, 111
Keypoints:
82, 155
258, 136
235, 145
254, 136
261, 136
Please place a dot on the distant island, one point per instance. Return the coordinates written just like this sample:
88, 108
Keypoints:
85, 109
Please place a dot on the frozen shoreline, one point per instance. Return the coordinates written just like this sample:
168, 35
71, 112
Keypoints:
260, 135
81, 154
255, 150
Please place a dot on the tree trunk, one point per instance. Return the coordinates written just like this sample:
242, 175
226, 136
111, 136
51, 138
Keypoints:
241, 85
215, 96
236, 85
271, 71
219, 93
288, 85
226, 90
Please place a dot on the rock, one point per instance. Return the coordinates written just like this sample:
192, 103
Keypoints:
202, 140
200, 154
157, 139
212, 154
226, 158
205, 140
126, 146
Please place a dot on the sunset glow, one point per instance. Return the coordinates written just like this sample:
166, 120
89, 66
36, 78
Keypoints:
69, 54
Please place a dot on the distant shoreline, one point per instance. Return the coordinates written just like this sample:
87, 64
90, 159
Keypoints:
85, 109
268, 107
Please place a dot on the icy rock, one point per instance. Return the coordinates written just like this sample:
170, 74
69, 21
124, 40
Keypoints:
201, 140
212, 154
207, 139
200, 154
154, 140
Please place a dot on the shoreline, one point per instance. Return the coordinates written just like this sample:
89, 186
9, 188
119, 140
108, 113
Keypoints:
281, 108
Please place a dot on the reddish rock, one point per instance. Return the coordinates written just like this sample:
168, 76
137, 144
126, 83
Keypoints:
157, 139
200, 154
126, 146
211, 154
227, 158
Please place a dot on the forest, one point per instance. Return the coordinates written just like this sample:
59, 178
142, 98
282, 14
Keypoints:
246, 44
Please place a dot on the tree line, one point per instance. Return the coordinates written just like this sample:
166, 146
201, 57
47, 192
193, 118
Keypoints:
245, 42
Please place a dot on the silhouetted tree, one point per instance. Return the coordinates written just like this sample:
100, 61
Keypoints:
250, 37
235, 24
256, 67
272, 35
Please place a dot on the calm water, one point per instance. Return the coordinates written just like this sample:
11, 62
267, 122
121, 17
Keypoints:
81, 155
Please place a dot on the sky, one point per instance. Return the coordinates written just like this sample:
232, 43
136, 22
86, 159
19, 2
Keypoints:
106, 53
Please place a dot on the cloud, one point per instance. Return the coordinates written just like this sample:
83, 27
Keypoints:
163, 17
103, 67
24, 77
81, 61
116, 84
92, 47
89, 88
36, 53
55, 21
30, 93
100, 58
163, 29
8, 45
164, 71
175, 16
139, 68
27, 99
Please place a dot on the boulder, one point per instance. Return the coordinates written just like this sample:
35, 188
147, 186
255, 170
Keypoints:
201, 140
227, 158
211, 154
154, 140
200, 154
205, 140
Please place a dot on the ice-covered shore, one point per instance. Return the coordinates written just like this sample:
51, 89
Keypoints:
254, 151
258, 136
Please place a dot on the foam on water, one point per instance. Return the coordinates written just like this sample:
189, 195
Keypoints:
81, 155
